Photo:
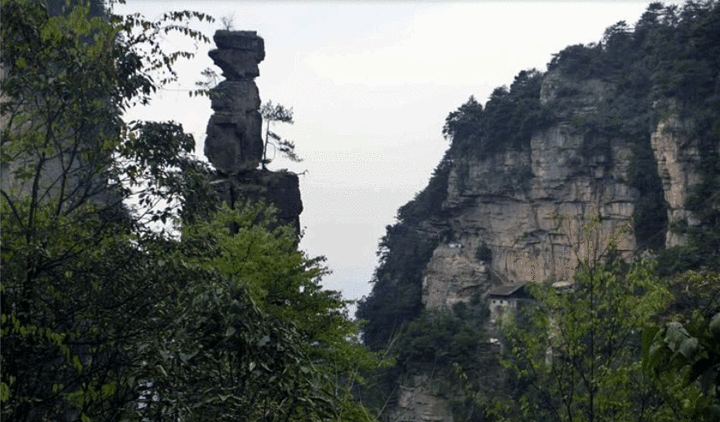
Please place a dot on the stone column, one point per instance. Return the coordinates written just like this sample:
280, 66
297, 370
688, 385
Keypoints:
234, 133
234, 144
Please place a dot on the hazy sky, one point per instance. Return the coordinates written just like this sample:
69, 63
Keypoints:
371, 84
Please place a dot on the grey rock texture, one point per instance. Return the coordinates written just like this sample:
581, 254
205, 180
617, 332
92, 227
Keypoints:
453, 275
279, 189
528, 206
424, 398
234, 133
429, 395
234, 142
678, 159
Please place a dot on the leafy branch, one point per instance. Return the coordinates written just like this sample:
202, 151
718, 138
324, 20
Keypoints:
273, 113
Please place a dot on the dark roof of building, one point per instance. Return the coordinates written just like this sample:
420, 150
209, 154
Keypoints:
507, 290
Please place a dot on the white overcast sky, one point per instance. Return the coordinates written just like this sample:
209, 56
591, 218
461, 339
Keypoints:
371, 84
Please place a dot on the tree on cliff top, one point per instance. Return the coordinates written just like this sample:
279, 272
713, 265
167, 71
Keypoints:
506, 122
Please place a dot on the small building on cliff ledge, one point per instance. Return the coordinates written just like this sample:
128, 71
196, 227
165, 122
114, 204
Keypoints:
506, 299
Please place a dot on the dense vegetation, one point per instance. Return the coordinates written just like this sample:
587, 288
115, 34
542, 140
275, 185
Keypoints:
575, 354
667, 65
105, 319
508, 120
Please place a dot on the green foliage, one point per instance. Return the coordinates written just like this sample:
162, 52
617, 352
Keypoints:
577, 60
104, 319
465, 121
440, 338
576, 355
396, 294
403, 253
687, 352
433, 343
507, 121
281, 280
78, 277
274, 114
249, 334
428, 202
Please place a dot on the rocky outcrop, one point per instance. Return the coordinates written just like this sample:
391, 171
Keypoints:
434, 395
234, 133
424, 399
281, 189
518, 214
234, 144
454, 275
678, 159
528, 206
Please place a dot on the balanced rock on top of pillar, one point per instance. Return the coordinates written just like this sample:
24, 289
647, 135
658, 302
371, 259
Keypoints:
238, 54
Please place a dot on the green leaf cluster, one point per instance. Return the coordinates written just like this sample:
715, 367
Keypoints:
688, 352
277, 113
441, 338
252, 335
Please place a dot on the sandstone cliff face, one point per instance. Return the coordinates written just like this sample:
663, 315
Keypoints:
678, 159
453, 275
528, 206
234, 143
517, 215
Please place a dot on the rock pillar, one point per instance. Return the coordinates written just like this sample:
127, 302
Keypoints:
234, 133
234, 144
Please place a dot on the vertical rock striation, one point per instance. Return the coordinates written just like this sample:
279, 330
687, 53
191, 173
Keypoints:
678, 159
517, 214
527, 206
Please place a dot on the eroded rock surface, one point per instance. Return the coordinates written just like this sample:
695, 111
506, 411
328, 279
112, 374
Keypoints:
528, 206
234, 133
678, 160
281, 189
454, 275
234, 142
